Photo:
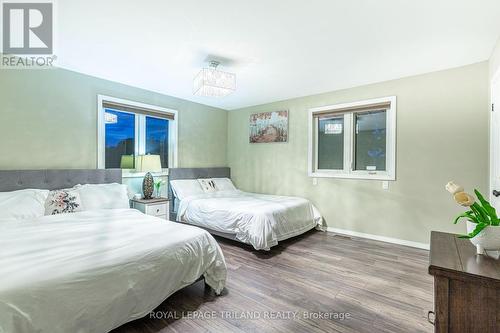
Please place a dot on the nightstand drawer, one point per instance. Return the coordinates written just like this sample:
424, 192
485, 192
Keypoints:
156, 210
155, 207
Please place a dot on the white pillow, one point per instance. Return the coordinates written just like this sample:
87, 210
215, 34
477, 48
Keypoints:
63, 201
22, 204
208, 185
103, 196
224, 184
184, 188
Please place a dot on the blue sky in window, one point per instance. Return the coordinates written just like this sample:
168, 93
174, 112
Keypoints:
157, 138
156, 129
120, 131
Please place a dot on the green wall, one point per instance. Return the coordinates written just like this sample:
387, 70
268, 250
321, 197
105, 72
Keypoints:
442, 135
48, 119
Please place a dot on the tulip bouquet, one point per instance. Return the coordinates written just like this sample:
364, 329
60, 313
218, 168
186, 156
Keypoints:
158, 185
481, 213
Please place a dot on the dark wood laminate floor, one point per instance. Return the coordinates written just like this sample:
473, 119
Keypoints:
383, 287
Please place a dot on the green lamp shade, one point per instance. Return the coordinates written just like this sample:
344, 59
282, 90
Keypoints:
127, 162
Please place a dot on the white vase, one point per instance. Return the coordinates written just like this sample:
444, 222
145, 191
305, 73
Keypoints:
488, 239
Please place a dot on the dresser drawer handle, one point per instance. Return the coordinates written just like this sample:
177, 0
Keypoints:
433, 319
157, 210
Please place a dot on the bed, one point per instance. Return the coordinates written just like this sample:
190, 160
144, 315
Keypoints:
256, 219
93, 271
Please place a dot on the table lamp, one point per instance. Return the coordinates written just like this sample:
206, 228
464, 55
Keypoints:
148, 164
127, 162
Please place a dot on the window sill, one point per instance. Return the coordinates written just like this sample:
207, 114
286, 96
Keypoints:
129, 174
360, 176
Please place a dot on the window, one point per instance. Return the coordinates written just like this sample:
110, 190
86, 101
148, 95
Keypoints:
331, 143
157, 138
129, 129
120, 137
354, 140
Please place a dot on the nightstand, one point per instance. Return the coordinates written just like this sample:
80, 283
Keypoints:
155, 207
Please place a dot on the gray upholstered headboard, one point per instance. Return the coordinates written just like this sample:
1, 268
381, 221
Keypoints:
192, 173
12, 180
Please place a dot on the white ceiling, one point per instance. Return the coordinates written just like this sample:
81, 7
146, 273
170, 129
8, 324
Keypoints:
279, 49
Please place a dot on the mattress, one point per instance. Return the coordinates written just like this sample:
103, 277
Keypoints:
94, 271
257, 219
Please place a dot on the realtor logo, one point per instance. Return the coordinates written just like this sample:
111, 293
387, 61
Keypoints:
27, 28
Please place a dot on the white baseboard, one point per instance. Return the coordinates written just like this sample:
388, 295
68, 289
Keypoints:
424, 246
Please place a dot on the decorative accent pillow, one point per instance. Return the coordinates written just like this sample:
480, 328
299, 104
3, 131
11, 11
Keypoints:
63, 201
208, 185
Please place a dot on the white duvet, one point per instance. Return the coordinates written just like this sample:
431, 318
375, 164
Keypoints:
257, 219
94, 271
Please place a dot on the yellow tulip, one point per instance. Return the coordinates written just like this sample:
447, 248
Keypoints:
464, 199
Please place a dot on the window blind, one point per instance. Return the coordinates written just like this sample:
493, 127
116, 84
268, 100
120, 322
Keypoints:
137, 110
362, 108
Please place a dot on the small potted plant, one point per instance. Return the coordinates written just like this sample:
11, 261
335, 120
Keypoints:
483, 225
158, 185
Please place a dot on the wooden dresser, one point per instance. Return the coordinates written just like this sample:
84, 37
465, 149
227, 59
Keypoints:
466, 286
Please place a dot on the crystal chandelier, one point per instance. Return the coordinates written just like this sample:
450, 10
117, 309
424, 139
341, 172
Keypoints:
212, 82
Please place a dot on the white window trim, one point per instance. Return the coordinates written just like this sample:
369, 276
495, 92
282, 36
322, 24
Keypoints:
139, 132
348, 172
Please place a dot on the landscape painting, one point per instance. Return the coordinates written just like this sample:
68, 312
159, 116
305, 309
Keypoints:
269, 127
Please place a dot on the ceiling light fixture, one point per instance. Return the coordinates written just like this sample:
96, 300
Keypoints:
212, 82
